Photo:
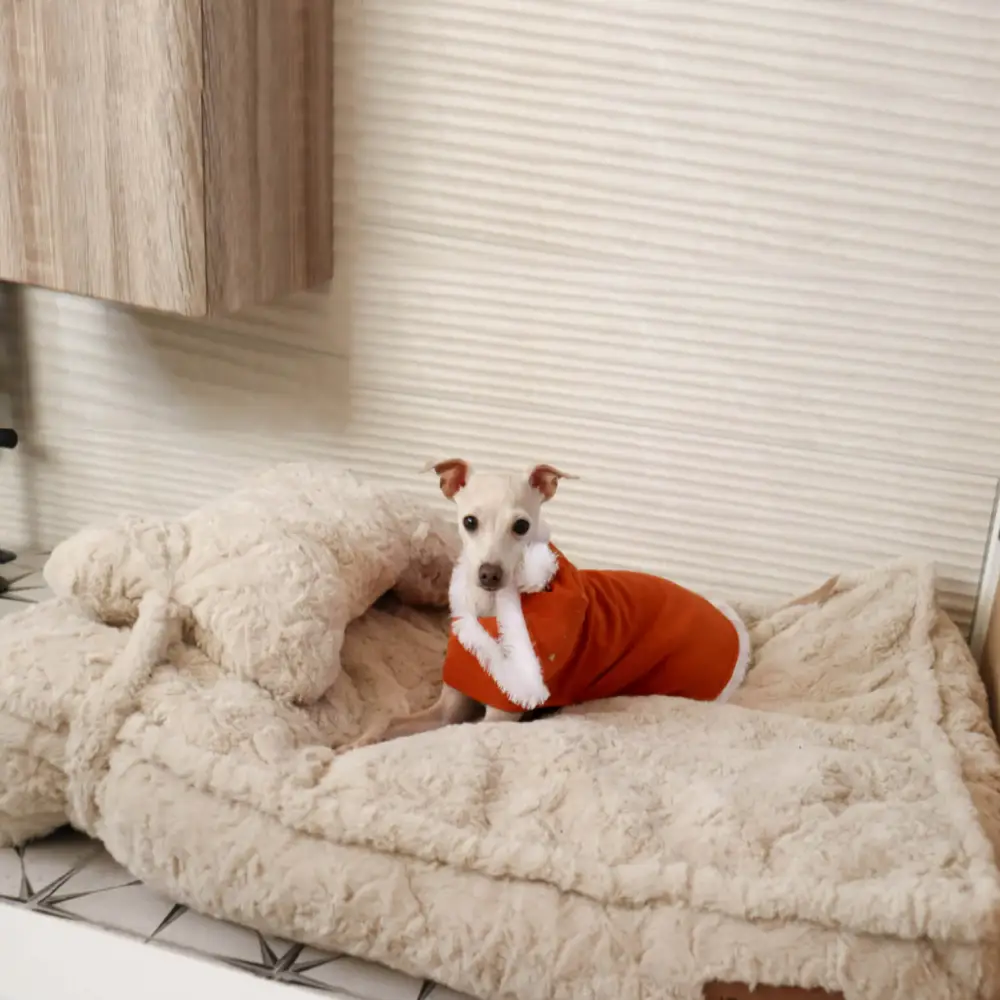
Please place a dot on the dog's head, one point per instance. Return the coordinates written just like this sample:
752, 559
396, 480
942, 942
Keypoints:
498, 516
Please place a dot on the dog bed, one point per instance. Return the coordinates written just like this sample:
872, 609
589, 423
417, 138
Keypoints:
834, 827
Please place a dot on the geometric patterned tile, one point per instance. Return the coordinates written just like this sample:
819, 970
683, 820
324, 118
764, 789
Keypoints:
279, 946
352, 976
10, 873
29, 559
25, 564
9, 607
269, 963
135, 909
30, 587
276, 955
35, 595
13, 573
24, 577
70, 876
28, 579
196, 932
50, 862
100, 871
307, 955
436, 992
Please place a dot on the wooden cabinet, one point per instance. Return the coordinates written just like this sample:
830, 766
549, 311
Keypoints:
171, 154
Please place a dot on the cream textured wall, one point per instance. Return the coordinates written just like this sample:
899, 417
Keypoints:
735, 263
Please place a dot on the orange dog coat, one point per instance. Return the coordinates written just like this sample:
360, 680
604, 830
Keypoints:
598, 634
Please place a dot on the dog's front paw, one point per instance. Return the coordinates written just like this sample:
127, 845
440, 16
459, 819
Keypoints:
532, 695
519, 682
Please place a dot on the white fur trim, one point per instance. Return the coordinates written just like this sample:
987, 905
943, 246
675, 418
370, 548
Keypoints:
476, 640
458, 592
525, 685
465, 623
512, 662
743, 654
538, 567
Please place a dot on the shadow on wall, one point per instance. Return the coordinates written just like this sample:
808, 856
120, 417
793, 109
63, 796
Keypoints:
283, 368
275, 370
16, 385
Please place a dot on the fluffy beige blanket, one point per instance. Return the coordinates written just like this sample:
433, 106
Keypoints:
834, 826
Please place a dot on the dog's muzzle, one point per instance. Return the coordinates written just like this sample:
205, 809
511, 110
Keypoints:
490, 576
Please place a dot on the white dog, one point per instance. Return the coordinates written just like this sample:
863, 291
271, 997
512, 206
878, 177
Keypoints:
500, 521
531, 631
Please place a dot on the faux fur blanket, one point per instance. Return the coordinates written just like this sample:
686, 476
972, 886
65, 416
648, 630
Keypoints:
835, 826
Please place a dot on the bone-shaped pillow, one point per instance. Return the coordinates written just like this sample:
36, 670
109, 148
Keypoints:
267, 578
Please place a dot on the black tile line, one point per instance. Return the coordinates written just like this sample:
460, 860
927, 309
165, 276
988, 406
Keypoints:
285, 976
288, 978
53, 900
426, 990
46, 891
254, 968
42, 894
37, 897
314, 963
14, 599
52, 911
267, 955
44, 908
206, 956
291, 977
24, 890
176, 911
288, 959
23, 575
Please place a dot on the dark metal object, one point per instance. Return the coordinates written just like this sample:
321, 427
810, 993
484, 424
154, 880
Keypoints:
11, 318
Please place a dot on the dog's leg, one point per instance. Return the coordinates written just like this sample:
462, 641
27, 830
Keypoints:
499, 715
451, 708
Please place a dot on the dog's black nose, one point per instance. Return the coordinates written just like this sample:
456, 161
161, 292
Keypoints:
490, 576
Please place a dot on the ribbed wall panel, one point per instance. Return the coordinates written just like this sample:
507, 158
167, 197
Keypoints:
758, 363
737, 264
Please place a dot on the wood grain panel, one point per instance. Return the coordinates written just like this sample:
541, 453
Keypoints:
100, 149
268, 148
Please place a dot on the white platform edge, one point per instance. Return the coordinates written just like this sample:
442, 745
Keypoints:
43, 957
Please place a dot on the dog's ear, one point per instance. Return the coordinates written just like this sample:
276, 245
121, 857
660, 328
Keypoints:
545, 479
453, 474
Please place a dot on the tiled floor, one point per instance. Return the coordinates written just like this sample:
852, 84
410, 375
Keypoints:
72, 877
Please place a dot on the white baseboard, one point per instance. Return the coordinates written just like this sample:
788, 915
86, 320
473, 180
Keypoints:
43, 957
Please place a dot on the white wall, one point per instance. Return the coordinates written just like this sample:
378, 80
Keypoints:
736, 263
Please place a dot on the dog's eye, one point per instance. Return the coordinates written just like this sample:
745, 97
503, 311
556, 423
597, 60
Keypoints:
470, 523
520, 526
